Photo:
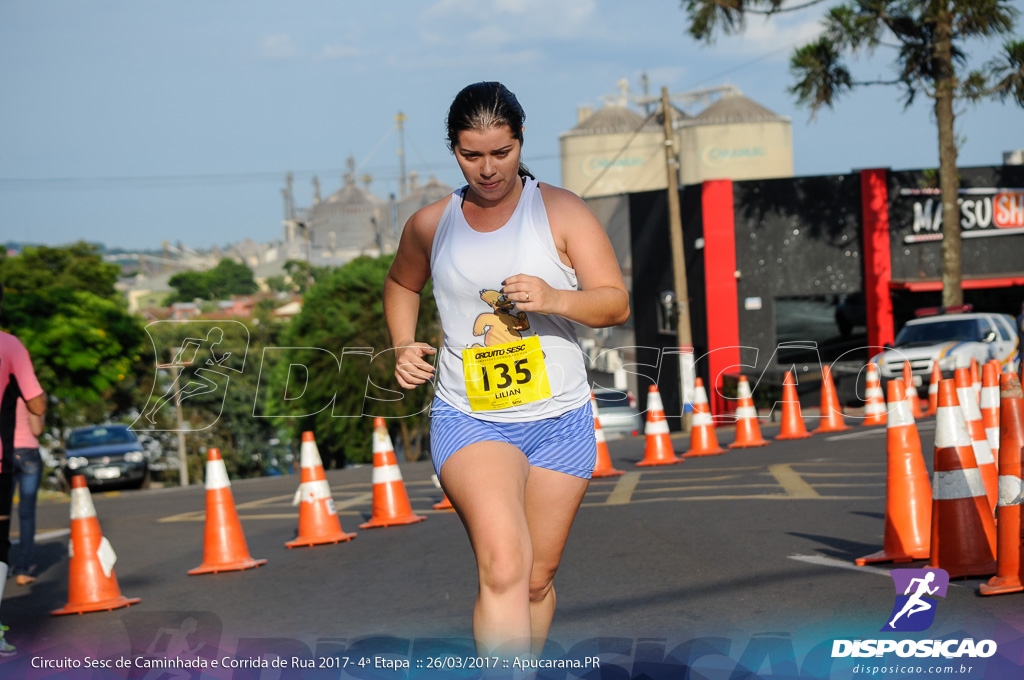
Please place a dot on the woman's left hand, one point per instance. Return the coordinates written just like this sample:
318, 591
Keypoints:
531, 294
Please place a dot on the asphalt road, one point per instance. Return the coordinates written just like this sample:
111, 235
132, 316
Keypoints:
747, 551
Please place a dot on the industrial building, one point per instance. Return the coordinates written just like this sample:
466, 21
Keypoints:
616, 149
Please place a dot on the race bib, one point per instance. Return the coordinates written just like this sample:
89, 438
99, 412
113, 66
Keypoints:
505, 375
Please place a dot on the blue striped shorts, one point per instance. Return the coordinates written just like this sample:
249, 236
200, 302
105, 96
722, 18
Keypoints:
565, 443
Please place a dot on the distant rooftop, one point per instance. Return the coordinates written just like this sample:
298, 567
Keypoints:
735, 108
730, 108
610, 120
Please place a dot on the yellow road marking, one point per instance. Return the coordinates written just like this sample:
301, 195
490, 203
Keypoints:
837, 484
196, 516
839, 463
355, 500
200, 515
359, 485
703, 488
843, 474
752, 497
791, 482
264, 501
669, 469
623, 491
719, 478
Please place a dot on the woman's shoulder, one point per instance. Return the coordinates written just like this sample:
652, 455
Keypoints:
566, 211
424, 221
559, 200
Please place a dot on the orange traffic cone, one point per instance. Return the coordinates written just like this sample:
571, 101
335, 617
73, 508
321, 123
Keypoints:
92, 584
390, 501
979, 440
933, 390
1008, 538
975, 379
658, 446
792, 421
224, 547
963, 532
990, 406
831, 418
911, 390
908, 493
748, 430
603, 466
318, 518
703, 441
874, 409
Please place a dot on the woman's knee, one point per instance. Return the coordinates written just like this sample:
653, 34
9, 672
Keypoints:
503, 568
541, 582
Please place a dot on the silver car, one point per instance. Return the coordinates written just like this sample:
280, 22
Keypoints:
617, 413
952, 340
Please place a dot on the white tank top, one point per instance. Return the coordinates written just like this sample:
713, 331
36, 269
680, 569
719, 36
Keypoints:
468, 267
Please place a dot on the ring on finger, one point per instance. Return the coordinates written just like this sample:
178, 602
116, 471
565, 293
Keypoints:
527, 296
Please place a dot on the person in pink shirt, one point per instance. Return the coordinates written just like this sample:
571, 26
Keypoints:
17, 380
28, 471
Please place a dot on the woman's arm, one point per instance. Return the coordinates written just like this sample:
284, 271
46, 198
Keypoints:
602, 299
408, 274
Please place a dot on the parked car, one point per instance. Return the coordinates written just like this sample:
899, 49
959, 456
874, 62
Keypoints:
952, 340
107, 455
618, 414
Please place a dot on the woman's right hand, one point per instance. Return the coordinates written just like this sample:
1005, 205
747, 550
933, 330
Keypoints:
411, 369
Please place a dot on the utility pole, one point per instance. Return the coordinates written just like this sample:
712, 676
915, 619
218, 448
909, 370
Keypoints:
400, 120
182, 454
684, 337
177, 367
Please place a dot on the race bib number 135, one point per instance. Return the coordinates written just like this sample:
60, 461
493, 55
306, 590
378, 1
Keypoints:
506, 375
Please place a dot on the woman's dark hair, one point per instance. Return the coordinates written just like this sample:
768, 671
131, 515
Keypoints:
482, 106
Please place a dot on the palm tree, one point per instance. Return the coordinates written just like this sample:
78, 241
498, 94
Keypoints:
927, 37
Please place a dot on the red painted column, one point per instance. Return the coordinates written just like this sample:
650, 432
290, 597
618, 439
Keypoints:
720, 285
874, 198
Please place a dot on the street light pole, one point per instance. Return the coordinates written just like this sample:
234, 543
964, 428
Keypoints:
182, 456
684, 337
177, 367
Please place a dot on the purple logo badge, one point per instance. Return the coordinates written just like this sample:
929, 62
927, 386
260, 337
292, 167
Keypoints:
914, 609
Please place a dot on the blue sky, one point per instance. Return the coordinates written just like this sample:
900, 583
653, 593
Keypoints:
133, 122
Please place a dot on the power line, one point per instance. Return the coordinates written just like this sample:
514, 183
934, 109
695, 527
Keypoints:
749, 63
611, 163
167, 181
16, 184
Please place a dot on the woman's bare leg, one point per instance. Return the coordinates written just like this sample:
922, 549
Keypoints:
552, 499
486, 483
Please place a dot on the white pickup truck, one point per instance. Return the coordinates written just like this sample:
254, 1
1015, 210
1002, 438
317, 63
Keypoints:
952, 340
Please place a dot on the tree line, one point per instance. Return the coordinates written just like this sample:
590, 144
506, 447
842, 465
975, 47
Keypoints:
97, 362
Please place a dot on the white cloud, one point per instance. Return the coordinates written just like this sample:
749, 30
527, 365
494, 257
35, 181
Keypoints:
775, 33
279, 46
338, 51
439, 61
508, 21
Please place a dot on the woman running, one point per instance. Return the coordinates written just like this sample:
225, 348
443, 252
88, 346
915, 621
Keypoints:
515, 263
